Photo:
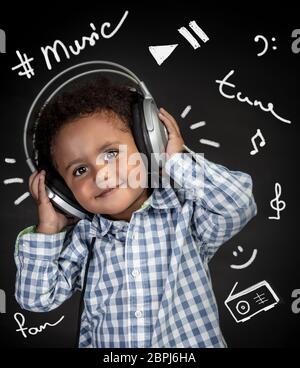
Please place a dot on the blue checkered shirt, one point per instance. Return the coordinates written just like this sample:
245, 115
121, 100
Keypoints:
148, 282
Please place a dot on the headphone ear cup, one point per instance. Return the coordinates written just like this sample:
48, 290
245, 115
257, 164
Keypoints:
139, 128
58, 186
141, 136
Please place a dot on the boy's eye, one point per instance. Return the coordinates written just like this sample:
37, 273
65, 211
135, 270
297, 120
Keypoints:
110, 155
79, 170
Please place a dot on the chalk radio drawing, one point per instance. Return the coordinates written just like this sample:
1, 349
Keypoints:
247, 303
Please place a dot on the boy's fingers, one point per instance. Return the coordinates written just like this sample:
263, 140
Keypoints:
43, 197
168, 115
165, 112
170, 126
171, 118
34, 186
32, 176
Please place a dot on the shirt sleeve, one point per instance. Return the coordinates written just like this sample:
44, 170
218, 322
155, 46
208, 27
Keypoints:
27, 230
223, 200
48, 272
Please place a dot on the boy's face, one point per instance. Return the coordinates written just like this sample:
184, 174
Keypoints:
88, 169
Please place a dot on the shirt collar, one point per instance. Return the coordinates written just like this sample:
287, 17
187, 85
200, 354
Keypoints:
161, 198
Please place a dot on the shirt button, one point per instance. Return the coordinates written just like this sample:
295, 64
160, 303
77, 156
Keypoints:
138, 314
134, 236
135, 273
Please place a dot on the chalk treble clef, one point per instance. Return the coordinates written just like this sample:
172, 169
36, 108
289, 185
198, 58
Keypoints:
276, 204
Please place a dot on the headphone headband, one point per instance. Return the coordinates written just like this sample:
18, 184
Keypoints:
125, 73
148, 131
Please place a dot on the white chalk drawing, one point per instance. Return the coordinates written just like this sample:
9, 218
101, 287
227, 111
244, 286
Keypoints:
266, 44
186, 111
2, 42
2, 301
199, 124
25, 63
10, 160
262, 142
80, 45
295, 47
190, 38
296, 303
276, 204
59, 49
21, 198
251, 301
162, 52
13, 180
20, 319
238, 96
209, 143
246, 264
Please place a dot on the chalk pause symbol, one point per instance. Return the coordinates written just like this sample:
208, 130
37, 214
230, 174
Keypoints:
190, 38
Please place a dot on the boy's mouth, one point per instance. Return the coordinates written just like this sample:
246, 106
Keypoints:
107, 192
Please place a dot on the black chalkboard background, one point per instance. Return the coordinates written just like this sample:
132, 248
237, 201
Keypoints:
187, 77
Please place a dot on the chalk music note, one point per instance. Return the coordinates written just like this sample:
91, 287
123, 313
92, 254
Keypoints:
276, 204
261, 143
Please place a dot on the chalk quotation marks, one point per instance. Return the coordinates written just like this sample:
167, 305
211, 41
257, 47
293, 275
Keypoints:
276, 204
246, 264
266, 44
251, 301
59, 49
262, 142
161, 52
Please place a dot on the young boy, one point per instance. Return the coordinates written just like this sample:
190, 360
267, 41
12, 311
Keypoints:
148, 282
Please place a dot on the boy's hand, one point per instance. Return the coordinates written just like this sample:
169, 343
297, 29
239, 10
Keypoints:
50, 220
175, 140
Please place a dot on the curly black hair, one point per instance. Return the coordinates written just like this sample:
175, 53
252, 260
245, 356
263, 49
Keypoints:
98, 95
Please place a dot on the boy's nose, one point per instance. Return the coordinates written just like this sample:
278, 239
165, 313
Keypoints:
105, 177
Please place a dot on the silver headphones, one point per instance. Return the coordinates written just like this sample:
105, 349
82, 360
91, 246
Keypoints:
149, 132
